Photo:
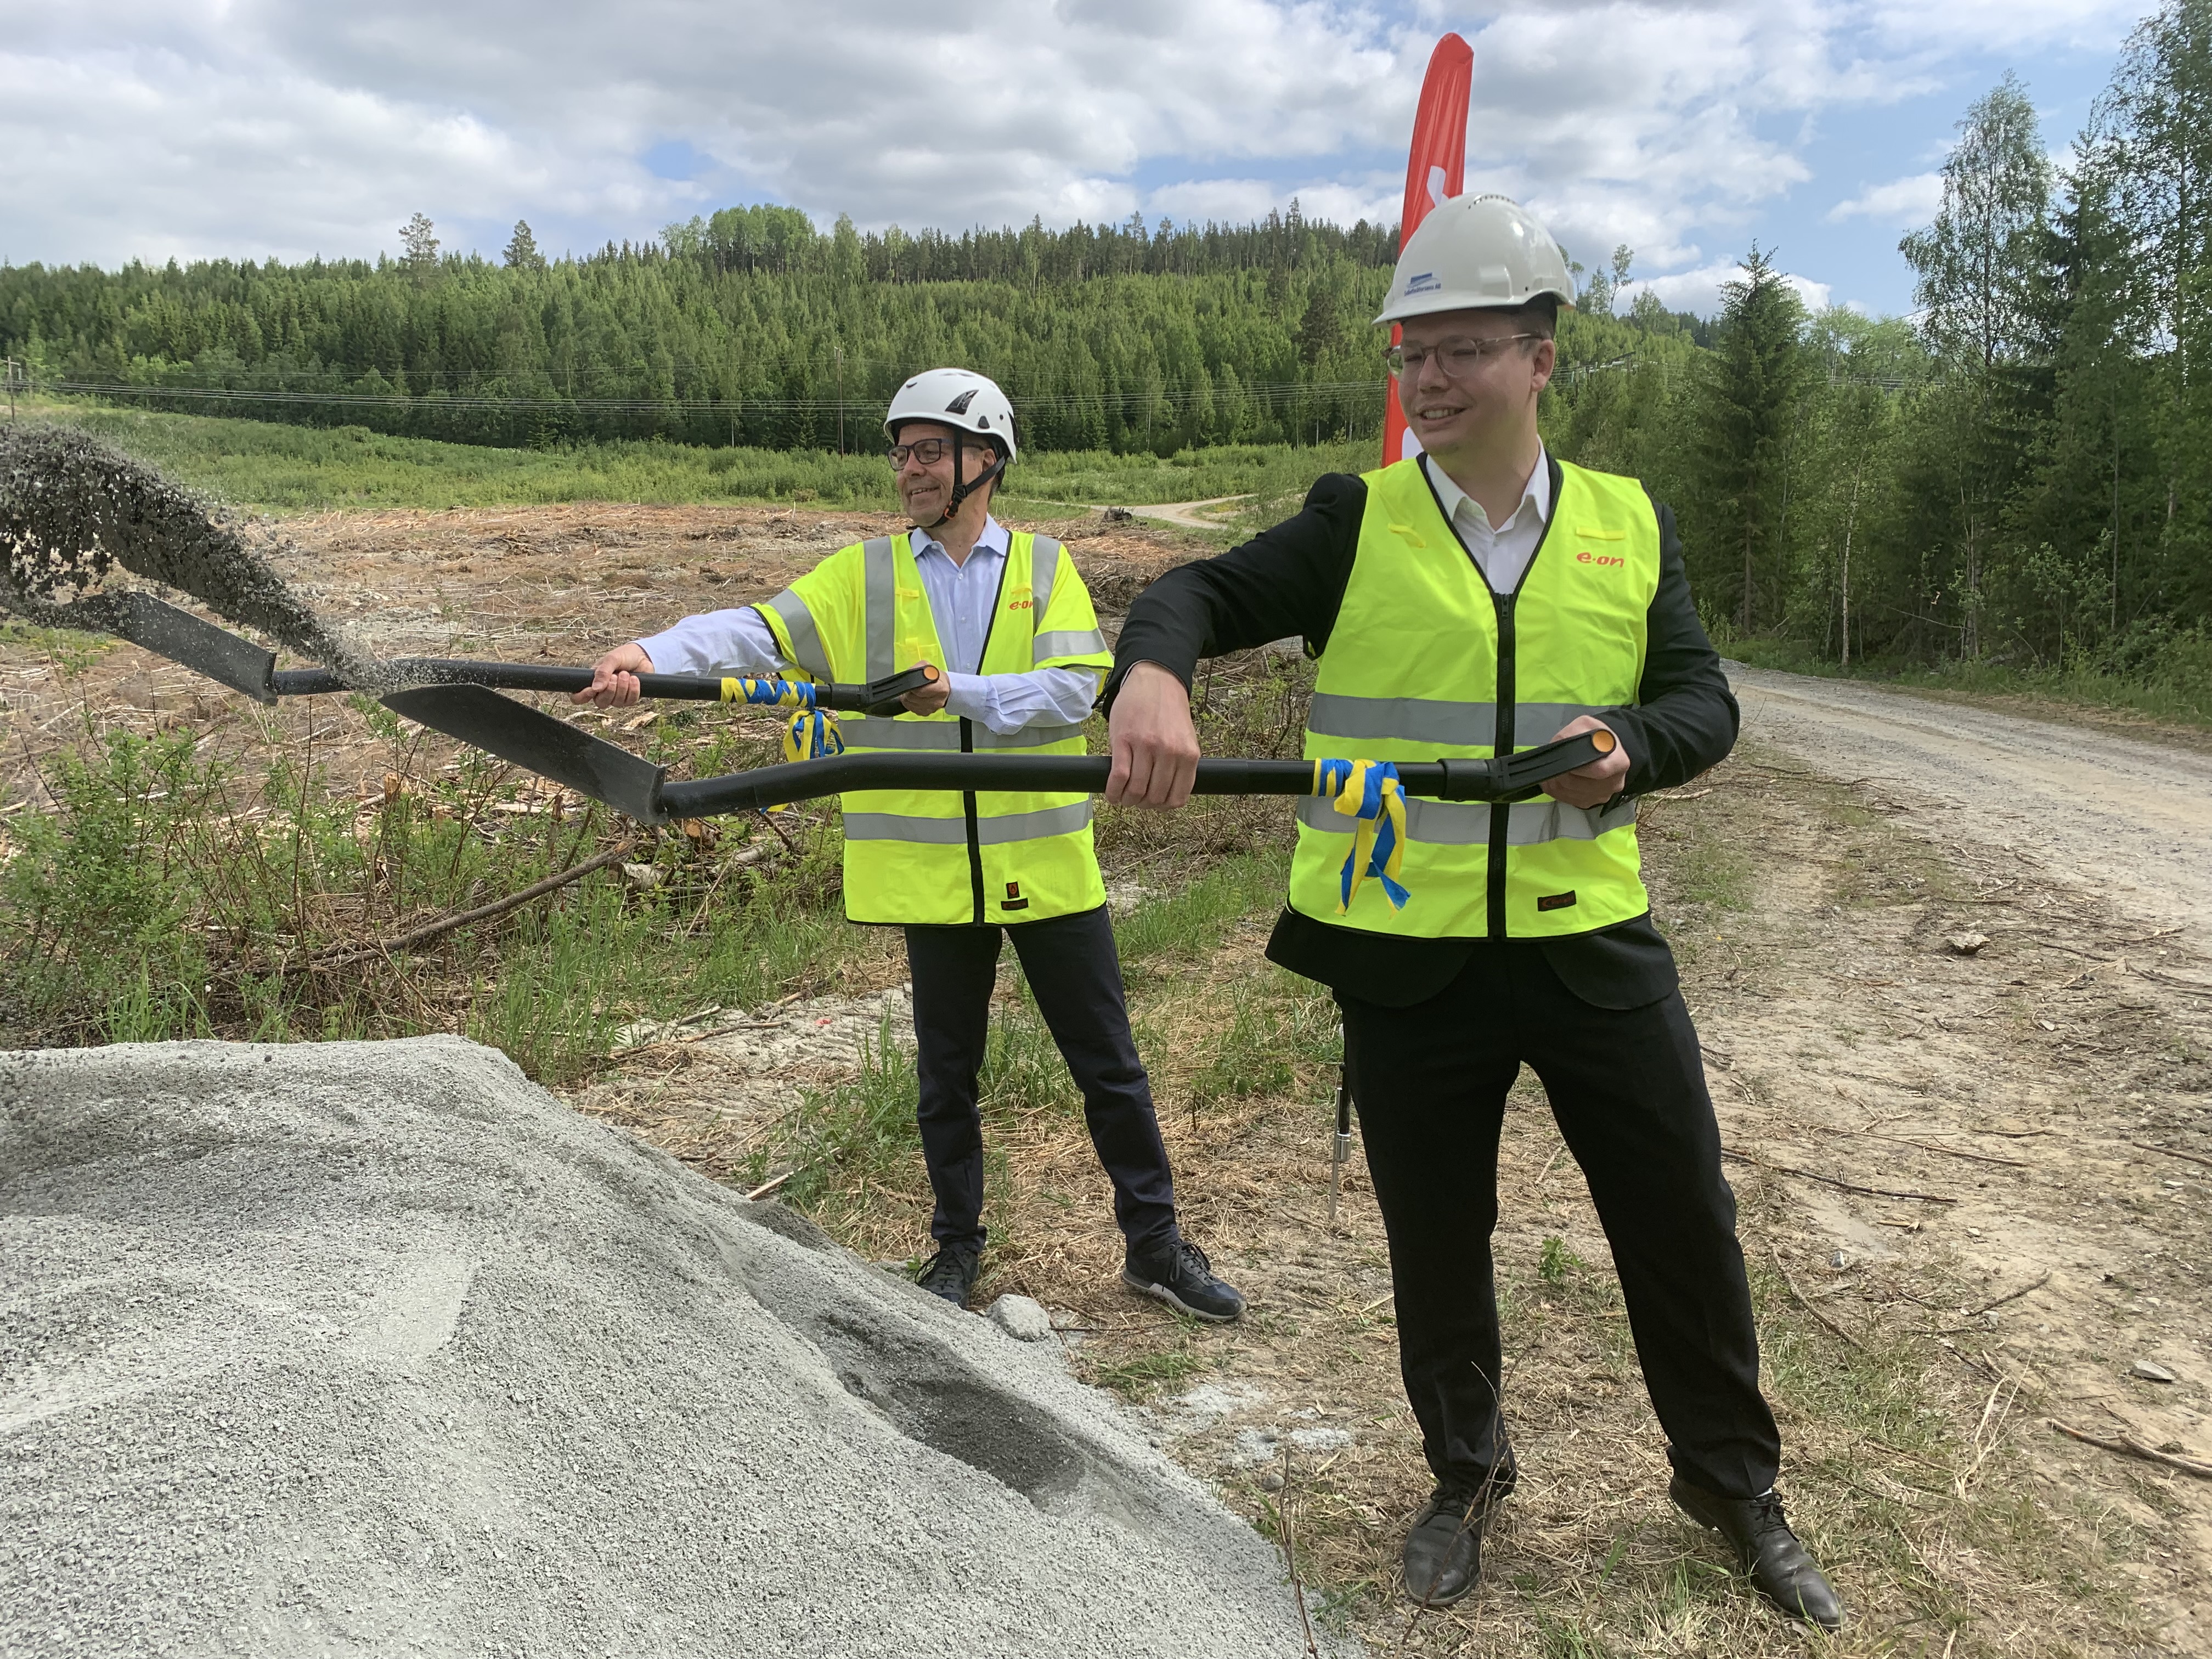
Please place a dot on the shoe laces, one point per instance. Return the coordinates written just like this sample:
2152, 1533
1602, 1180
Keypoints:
1194, 1259
950, 1259
1766, 1515
1453, 1503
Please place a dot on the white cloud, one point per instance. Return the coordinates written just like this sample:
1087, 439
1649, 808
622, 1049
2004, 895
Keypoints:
258, 127
1374, 196
1699, 290
1910, 201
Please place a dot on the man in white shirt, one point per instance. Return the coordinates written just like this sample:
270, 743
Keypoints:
1006, 619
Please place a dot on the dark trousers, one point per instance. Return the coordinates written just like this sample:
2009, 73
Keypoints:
1076, 979
1628, 1091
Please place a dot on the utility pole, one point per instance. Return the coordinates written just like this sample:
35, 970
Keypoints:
840, 351
11, 370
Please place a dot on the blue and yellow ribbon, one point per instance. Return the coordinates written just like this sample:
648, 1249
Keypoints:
1370, 792
812, 732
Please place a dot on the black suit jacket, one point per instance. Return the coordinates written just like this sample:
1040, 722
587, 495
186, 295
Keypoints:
1289, 581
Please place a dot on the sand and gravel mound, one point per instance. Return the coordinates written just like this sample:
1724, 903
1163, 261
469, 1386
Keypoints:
376, 1348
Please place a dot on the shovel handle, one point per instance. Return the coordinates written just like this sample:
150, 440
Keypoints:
879, 696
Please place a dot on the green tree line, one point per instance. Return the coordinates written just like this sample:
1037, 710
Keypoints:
2020, 473
749, 328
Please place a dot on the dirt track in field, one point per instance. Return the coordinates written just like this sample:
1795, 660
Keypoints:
2133, 815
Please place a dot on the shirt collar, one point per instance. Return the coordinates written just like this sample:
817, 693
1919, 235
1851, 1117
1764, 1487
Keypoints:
1450, 495
995, 539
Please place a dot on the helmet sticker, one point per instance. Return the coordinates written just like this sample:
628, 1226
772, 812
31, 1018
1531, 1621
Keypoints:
1427, 283
959, 404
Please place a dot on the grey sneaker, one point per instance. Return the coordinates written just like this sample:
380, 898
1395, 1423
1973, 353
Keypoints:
952, 1272
1181, 1276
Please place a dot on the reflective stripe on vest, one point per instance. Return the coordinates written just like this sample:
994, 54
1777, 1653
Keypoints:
1468, 823
996, 831
798, 628
1426, 662
1426, 719
868, 731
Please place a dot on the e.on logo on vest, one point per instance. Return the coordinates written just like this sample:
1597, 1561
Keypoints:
1586, 557
1019, 599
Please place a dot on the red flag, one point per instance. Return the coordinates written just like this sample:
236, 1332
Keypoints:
1435, 169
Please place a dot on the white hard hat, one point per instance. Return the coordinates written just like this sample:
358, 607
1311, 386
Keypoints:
1475, 250
957, 398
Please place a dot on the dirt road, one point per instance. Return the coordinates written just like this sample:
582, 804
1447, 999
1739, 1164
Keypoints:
2134, 817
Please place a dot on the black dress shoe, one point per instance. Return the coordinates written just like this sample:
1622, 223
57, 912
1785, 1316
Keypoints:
1444, 1547
1766, 1549
952, 1273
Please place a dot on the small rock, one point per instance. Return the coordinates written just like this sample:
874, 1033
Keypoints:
1020, 1318
642, 877
1271, 1480
2151, 1372
1967, 945
1116, 514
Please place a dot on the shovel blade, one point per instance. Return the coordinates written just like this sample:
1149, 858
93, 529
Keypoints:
538, 742
201, 646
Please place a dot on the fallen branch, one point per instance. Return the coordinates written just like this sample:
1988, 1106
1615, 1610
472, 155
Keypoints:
1806, 1302
444, 925
1291, 1553
2128, 1446
2009, 1296
1926, 1146
2172, 1152
769, 1186
1830, 1181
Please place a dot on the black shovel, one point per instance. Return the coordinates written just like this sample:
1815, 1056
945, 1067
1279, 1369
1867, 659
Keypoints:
606, 772
245, 666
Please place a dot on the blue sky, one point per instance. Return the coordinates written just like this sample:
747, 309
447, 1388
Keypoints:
253, 128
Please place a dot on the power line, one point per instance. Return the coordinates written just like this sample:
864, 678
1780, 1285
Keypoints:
1274, 395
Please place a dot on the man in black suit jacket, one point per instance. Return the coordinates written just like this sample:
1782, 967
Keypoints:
1470, 598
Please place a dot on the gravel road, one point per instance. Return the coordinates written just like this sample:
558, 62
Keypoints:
2131, 816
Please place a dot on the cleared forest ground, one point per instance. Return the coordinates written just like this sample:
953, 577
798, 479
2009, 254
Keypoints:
1974, 1187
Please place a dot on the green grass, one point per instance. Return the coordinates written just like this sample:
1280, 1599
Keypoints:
275, 468
73, 652
172, 893
1187, 926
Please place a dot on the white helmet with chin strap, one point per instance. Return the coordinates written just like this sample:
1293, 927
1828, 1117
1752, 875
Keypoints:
1476, 251
968, 403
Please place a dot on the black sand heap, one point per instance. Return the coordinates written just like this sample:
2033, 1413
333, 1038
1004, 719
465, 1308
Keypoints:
76, 513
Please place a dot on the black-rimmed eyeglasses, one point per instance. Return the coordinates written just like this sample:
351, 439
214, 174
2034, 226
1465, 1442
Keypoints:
928, 451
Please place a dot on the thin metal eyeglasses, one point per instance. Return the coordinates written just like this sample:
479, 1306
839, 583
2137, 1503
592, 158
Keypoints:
928, 451
1458, 358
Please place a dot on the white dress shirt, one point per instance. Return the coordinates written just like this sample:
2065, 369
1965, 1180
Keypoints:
1502, 555
960, 600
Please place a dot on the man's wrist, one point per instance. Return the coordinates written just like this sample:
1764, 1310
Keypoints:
1123, 672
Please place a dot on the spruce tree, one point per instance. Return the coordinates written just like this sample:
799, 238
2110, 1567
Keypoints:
1747, 405
522, 252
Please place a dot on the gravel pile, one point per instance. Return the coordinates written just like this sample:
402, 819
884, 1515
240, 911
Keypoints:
364, 1348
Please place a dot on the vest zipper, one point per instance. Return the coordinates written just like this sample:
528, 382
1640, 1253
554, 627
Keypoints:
975, 837
968, 739
1501, 813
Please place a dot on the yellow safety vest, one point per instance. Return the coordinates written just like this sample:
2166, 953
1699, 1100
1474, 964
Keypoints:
1425, 663
922, 856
